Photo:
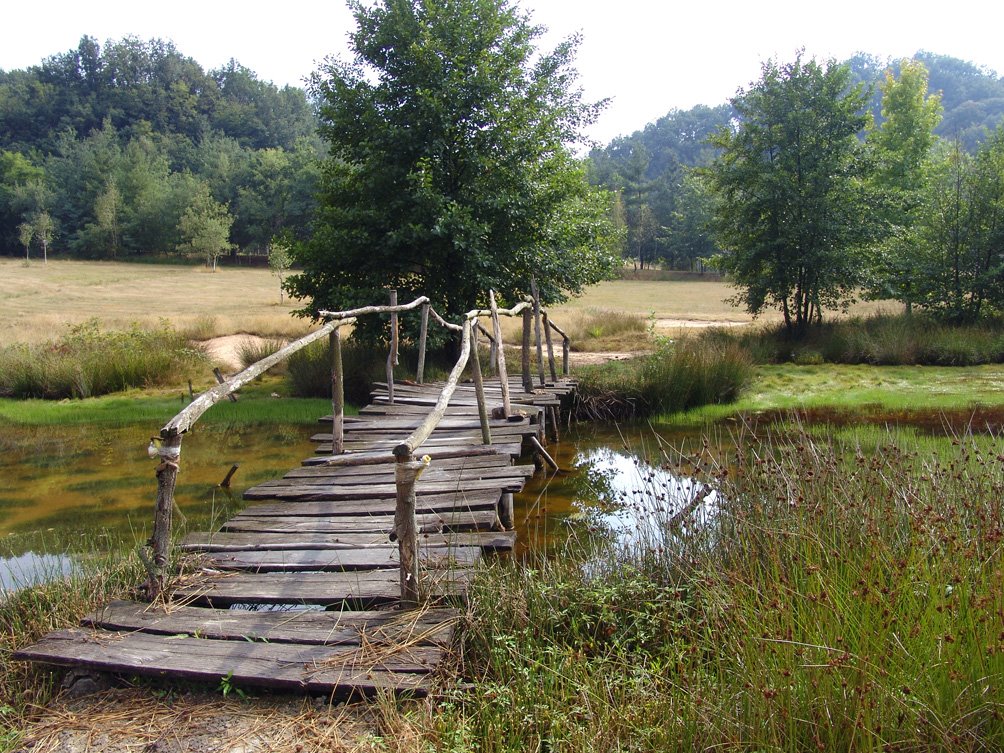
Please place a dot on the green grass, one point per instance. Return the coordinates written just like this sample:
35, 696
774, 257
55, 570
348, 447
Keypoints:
87, 362
678, 376
255, 406
842, 599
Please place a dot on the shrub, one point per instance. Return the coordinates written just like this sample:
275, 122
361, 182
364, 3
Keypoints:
87, 362
679, 375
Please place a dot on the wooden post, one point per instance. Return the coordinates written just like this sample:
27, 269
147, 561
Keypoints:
527, 379
500, 355
564, 356
542, 452
505, 511
479, 388
392, 355
337, 393
406, 473
555, 416
423, 337
219, 378
550, 348
167, 476
536, 330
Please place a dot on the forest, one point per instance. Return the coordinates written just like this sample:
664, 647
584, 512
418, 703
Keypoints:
132, 150
660, 204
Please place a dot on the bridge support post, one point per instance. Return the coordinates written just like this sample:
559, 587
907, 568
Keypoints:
160, 542
550, 347
479, 387
337, 393
500, 355
536, 330
423, 337
527, 379
406, 473
392, 359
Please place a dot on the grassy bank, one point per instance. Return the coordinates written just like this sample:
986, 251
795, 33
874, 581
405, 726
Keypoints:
28, 614
841, 600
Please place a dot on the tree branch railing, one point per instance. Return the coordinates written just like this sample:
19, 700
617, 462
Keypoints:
167, 446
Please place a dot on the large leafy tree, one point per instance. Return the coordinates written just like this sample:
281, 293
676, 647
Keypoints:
901, 148
450, 171
791, 210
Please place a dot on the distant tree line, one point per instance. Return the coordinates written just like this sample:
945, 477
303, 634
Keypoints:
664, 211
133, 149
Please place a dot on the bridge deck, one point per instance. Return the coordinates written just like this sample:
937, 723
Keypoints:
299, 589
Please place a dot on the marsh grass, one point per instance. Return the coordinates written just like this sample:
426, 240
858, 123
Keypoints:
594, 330
842, 598
87, 361
679, 375
251, 350
29, 613
878, 340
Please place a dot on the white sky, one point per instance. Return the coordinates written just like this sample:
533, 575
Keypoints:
648, 56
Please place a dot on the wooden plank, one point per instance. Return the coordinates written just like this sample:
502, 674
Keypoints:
366, 588
337, 560
353, 501
466, 463
283, 666
455, 478
475, 520
377, 457
426, 627
292, 540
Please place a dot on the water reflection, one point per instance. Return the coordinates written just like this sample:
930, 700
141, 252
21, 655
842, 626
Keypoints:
613, 483
30, 568
638, 503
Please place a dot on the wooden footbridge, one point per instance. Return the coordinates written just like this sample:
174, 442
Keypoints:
348, 575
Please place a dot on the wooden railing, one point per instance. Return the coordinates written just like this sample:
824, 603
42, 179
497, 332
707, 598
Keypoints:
167, 446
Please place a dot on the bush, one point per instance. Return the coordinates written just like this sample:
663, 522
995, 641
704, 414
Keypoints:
880, 340
88, 362
677, 376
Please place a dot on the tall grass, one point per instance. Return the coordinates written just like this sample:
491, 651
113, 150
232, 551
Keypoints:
87, 362
679, 375
839, 600
29, 613
881, 340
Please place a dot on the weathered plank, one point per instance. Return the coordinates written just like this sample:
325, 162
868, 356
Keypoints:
457, 520
336, 560
366, 588
424, 627
311, 668
292, 540
319, 504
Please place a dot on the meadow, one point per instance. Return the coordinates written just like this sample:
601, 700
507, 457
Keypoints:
844, 595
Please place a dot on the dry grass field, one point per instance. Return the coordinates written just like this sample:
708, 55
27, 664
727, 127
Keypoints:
41, 301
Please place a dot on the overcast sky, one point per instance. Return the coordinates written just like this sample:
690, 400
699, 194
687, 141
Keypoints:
648, 56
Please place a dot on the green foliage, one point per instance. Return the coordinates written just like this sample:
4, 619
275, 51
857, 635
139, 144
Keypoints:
677, 376
961, 232
88, 362
205, 227
881, 340
450, 172
844, 595
791, 213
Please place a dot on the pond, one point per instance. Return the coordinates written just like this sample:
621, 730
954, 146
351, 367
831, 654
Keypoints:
72, 490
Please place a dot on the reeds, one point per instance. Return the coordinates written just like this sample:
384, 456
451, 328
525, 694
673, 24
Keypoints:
839, 599
87, 362
679, 375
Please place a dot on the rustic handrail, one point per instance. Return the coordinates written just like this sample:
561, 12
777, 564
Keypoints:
408, 469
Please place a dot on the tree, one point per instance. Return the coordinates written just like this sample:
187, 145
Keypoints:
26, 234
45, 229
901, 148
205, 227
279, 261
450, 171
791, 213
961, 235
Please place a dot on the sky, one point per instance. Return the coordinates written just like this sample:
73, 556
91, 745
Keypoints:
647, 56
